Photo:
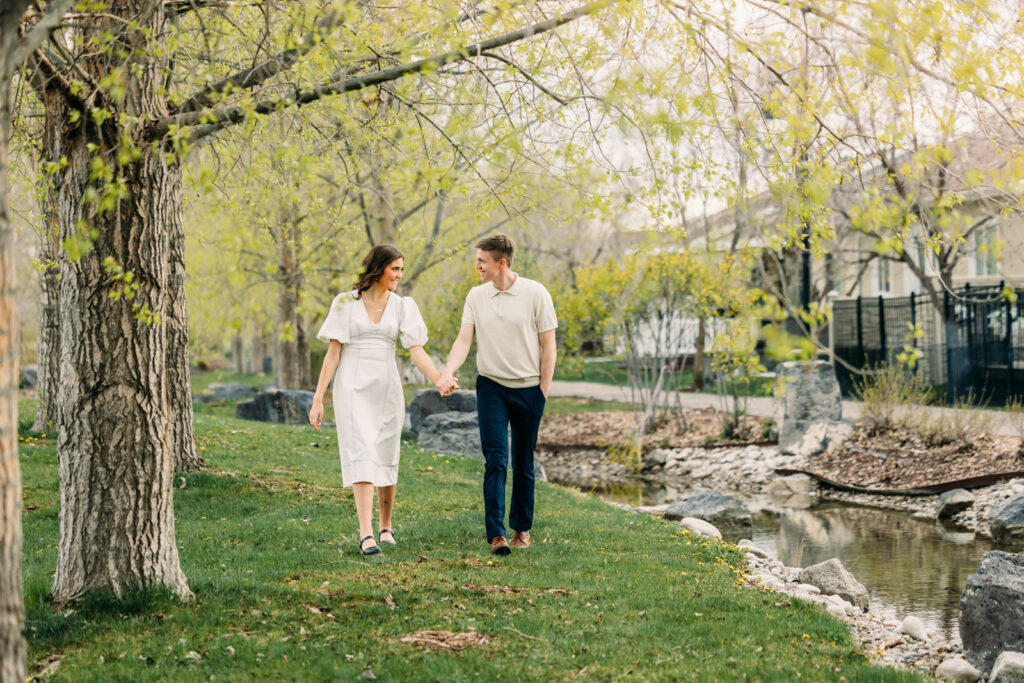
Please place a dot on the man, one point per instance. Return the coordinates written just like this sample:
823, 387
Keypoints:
514, 321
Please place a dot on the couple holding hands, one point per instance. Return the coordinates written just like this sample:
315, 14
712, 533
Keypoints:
513, 321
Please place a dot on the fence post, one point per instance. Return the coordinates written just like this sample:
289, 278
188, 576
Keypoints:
948, 327
881, 329
860, 337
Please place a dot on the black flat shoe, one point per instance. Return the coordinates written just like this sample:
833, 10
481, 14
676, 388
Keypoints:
374, 550
380, 535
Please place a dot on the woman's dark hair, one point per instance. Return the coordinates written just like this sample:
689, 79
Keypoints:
374, 264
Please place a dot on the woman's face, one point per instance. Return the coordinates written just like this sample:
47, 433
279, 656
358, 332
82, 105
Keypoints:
393, 274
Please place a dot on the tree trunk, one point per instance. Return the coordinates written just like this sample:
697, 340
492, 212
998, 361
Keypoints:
238, 353
12, 603
116, 448
259, 349
49, 276
179, 373
302, 350
291, 333
698, 356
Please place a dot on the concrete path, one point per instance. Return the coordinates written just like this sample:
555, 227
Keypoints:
761, 406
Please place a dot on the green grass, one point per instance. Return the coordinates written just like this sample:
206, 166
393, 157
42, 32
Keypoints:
614, 372
268, 542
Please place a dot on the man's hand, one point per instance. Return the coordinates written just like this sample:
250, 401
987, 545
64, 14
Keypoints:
446, 384
316, 413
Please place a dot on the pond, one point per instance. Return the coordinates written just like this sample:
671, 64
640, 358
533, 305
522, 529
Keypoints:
909, 565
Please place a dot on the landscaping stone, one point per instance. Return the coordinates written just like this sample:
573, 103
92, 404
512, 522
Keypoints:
452, 433
992, 609
914, 627
1007, 522
834, 579
957, 669
700, 527
726, 513
29, 377
278, 407
952, 503
793, 484
229, 391
748, 545
810, 408
1009, 668
427, 402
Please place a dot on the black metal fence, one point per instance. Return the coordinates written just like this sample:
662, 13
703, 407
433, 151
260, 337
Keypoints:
971, 343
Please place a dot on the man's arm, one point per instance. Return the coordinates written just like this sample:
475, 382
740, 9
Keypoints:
548, 351
456, 357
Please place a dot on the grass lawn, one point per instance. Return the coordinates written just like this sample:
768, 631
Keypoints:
268, 542
614, 372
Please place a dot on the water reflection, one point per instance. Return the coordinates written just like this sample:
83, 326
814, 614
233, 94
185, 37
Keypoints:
910, 566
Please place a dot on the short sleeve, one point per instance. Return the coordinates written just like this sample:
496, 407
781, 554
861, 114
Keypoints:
411, 328
336, 326
544, 312
467, 312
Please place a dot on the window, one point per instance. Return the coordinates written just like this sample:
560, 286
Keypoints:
884, 269
986, 251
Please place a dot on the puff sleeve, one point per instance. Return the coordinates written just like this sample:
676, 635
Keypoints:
337, 324
411, 328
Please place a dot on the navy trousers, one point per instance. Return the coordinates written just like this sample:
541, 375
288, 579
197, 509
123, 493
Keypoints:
499, 407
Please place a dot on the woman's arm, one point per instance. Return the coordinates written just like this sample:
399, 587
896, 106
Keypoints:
423, 362
316, 413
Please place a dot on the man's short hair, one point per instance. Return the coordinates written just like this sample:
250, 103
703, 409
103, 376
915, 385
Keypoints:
500, 245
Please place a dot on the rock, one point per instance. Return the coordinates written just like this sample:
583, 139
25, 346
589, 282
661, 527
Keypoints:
29, 377
992, 609
809, 396
267, 365
794, 483
427, 402
1007, 522
229, 651
768, 581
835, 610
834, 579
193, 656
230, 391
914, 628
840, 603
726, 513
452, 433
1009, 668
816, 438
700, 527
748, 545
957, 669
657, 458
952, 503
279, 407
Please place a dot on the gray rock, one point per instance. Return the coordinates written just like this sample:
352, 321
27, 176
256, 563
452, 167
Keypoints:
427, 402
914, 628
29, 377
787, 486
726, 513
267, 365
1009, 668
992, 609
229, 391
452, 433
748, 545
957, 669
700, 527
278, 407
654, 460
1007, 522
809, 396
952, 503
834, 579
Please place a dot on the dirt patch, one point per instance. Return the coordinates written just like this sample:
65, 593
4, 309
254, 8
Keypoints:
610, 428
445, 640
894, 461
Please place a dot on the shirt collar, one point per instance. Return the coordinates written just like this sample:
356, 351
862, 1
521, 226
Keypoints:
513, 290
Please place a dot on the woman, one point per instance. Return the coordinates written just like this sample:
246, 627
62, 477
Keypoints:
369, 405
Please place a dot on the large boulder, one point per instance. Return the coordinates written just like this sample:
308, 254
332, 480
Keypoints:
952, 503
729, 515
279, 407
1007, 522
29, 377
454, 433
992, 609
957, 669
1009, 668
810, 408
834, 579
427, 402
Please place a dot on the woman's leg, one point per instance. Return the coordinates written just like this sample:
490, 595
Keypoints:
385, 504
363, 493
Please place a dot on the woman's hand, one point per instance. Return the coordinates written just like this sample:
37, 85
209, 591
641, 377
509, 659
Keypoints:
316, 413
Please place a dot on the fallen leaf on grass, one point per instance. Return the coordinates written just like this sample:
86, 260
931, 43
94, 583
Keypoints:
445, 640
390, 603
46, 667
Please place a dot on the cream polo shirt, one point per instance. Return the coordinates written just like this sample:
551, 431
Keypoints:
507, 324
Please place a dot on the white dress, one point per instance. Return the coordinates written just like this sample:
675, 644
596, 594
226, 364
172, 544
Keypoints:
369, 406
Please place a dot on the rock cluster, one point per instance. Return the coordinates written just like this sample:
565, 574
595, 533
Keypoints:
279, 407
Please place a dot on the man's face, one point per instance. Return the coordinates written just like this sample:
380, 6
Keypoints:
487, 266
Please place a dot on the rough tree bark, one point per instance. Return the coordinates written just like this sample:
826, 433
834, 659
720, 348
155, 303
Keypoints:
179, 373
238, 353
292, 344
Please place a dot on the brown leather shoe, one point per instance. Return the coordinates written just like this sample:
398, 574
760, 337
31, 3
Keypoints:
520, 539
499, 546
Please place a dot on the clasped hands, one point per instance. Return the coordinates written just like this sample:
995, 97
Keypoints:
446, 384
